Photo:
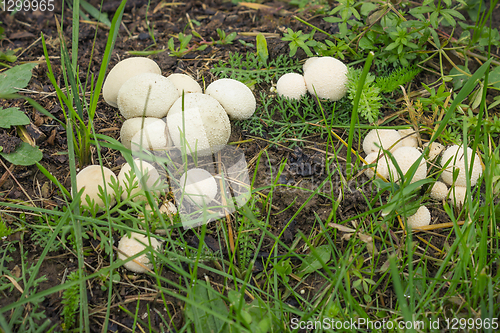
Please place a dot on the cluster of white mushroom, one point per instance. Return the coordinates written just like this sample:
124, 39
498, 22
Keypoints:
325, 77
403, 146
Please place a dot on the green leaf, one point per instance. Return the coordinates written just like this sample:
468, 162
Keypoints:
25, 154
262, 51
16, 78
494, 77
96, 13
312, 263
8, 55
12, 117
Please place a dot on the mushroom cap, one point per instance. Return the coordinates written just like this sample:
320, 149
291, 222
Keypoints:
153, 134
434, 151
91, 179
135, 95
141, 169
308, 63
439, 191
291, 85
457, 195
456, 155
199, 186
384, 138
129, 246
421, 218
123, 71
167, 208
185, 83
204, 124
382, 166
405, 157
326, 77
409, 138
235, 97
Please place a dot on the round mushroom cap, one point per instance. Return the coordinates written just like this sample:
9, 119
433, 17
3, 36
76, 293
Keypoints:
147, 94
439, 191
204, 124
327, 78
235, 97
91, 178
384, 138
457, 195
123, 71
455, 154
405, 157
409, 138
292, 86
185, 83
129, 246
420, 219
382, 166
133, 184
153, 134
308, 63
434, 151
199, 186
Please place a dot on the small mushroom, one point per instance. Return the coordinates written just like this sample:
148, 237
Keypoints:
382, 167
91, 179
405, 157
185, 83
421, 218
439, 191
235, 97
131, 179
326, 77
455, 154
199, 186
147, 133
385, 138
434, 151
457, 195
133, 244
292, 86
409, 138
123, 71
167, 209
148, 95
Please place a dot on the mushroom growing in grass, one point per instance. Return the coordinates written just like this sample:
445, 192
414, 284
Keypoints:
292, 86
123, 71
454, 157
167, 209
421, 218
131, 180
457, 195
198, 186
91, 180
439, 191
133, 244
326, 77
385, 138
148, 95
202, 127
234, 96
144, 133
408, 138
434, 150
184, 83
382, 167
405, 157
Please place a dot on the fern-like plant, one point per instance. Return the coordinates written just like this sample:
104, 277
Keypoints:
70, 301
369, 103
398, 77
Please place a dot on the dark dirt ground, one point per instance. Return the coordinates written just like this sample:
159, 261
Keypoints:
23, 31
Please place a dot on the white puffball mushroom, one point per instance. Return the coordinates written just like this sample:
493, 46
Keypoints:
204, 124
91, 178
382, 167
409, 138
234, 96
292, 86
457, 195
147, 94
134, 183
308, 63
199, 186
123, 71
129, 246
421, 218
455, 154
152, 136
384, 138
184, 82
326, 77
405, 157
435, 150
439, 191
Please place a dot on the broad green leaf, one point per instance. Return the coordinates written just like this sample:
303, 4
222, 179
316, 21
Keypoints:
25, 154
262, 51
102, 17
312, 263
494, 77
12, 117
16, 78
